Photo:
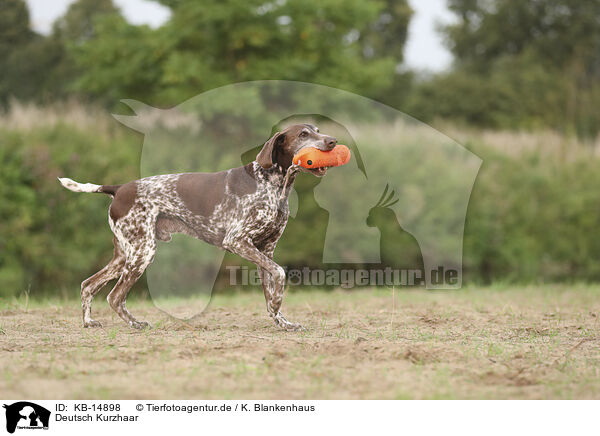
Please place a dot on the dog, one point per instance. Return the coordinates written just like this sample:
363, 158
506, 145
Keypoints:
243, 210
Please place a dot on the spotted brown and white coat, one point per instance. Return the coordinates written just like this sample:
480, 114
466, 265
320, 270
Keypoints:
243, 210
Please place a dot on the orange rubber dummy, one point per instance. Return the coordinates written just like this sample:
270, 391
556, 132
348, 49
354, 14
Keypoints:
310, 157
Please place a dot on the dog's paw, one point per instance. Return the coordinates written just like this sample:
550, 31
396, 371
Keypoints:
288, 325
139, 325
294, 327
91, 324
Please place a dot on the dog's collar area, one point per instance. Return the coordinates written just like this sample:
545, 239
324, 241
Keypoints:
279, 177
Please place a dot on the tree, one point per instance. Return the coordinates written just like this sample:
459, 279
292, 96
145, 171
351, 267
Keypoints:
14, 25
558, 33
14, 36
528, 64
40, 68
353, 45
77, 26
78, 23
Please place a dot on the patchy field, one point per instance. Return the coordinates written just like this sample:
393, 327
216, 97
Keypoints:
534, 342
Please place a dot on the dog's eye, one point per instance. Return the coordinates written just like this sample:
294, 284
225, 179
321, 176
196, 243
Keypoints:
303, 134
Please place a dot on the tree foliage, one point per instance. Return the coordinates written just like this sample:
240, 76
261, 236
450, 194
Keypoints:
79, 22
353, 45
517, 64
520, 65
40, 68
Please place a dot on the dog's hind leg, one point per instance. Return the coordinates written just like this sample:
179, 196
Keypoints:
92, 285
138, 258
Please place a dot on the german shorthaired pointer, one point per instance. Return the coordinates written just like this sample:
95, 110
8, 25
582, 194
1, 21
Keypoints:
243, 210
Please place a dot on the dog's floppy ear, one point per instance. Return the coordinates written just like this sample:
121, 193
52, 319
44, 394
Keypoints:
265, 157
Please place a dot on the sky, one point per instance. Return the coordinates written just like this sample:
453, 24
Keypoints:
424, 49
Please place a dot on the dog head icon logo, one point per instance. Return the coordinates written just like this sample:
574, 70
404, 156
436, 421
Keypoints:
26, 415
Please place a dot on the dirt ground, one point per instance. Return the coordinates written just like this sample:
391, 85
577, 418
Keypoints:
477, 343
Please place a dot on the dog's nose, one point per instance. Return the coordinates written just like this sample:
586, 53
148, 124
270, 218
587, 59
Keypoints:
330, 142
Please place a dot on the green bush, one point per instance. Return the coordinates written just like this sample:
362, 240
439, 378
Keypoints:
51, 238
532, 216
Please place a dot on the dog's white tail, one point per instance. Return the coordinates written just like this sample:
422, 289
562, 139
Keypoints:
72, 185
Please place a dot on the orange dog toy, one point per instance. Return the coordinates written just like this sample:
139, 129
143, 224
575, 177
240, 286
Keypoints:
311, 157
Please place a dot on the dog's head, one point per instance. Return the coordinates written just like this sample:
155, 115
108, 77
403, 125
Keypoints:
282, 146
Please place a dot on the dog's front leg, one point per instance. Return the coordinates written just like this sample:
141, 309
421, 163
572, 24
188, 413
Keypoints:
274, 300
272, 277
